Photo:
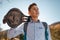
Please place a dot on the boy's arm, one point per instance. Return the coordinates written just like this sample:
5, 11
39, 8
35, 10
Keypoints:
15, 31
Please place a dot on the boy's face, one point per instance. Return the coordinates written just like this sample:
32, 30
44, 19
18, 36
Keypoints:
34, 11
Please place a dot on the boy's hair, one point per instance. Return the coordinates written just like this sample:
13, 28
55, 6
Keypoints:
31, 6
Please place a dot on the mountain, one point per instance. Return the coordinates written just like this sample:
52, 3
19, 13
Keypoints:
55, 30
3, 35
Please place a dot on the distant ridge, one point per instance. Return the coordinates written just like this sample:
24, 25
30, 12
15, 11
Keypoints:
55, 23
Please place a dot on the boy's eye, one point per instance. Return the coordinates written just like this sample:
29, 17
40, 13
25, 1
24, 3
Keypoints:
33, 8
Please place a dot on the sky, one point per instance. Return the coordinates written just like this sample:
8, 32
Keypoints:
49, 9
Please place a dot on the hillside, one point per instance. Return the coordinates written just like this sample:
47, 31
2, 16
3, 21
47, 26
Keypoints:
55, 30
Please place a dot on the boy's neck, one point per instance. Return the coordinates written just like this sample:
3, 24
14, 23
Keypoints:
35, 19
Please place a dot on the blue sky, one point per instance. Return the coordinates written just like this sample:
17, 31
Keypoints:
49, 9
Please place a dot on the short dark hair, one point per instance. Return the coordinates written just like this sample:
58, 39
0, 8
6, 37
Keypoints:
31, 6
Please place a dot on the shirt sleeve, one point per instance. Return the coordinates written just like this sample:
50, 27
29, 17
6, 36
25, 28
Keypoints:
49, 33
15, 31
